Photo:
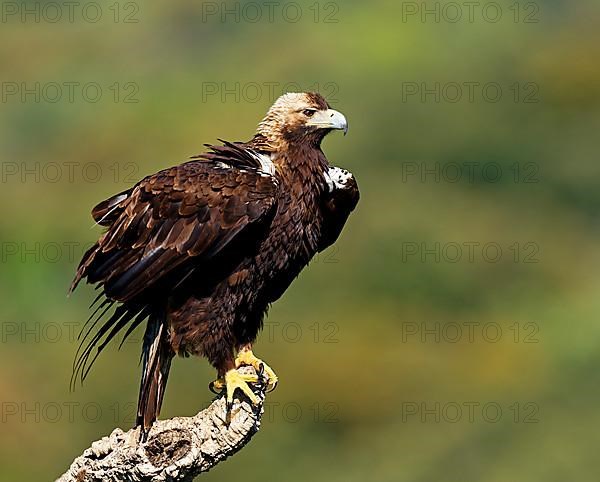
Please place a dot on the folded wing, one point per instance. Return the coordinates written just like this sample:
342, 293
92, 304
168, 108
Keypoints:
185, 214
170, 224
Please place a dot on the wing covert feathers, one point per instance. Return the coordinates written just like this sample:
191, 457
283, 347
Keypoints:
178, 218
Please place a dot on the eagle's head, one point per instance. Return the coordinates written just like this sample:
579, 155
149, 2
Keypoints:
297, 118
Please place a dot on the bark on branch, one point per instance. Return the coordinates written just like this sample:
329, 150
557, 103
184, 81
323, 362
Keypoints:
177, 449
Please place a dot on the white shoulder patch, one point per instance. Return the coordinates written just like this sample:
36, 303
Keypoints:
266, 163
337, 178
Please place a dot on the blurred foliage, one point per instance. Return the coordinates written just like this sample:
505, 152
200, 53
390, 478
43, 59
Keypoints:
338, 339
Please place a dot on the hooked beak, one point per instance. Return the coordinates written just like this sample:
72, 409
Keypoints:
329, 119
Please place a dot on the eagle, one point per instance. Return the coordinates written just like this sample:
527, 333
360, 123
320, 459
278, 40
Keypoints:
199, 251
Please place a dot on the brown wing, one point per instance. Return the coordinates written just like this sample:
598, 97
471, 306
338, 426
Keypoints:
160, 231
185, 214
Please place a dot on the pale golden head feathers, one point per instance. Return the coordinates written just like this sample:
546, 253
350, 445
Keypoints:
299, 117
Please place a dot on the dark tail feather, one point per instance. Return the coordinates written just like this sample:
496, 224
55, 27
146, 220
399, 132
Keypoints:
156, 361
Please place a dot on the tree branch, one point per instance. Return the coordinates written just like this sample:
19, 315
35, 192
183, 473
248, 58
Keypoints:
177, 449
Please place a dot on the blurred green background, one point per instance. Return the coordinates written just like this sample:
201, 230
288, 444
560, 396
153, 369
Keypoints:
376, 379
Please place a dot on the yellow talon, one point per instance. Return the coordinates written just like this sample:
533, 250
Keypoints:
246, 357
232, 380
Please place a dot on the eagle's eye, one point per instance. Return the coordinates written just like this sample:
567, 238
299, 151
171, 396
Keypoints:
309, 112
